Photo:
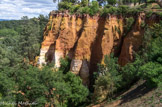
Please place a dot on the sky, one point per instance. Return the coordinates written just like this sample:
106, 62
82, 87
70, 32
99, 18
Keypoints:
15, 9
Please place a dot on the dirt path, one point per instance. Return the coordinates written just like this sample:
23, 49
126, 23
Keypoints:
137, 96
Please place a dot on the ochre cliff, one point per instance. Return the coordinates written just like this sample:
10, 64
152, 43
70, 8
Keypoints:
86, 40
132, 41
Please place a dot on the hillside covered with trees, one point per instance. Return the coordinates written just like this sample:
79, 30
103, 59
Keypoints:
23, 83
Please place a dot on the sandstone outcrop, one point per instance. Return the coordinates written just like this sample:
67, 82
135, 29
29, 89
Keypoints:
86, 40
132, 41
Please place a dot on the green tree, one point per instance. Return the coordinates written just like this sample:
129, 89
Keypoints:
152, 72
109, 79
79, 92
84, 3
31, 37
94, 8
112, 2
152, 55
130, 72
44, 87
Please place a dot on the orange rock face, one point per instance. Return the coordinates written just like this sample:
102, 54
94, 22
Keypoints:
132, 41
86, 40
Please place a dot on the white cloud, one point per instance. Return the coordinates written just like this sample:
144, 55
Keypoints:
15, 9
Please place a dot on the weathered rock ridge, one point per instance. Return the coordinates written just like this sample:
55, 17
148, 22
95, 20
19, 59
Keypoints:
86, 40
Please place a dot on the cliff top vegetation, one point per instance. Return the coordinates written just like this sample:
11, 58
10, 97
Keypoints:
104, 7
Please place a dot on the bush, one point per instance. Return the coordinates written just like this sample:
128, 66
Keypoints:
91, 10
64, 5
143, 24
104, 11
7, 32
104, 87
49, 27
160, 14
84, 3
126, 11
148, 14
84, 10
108, 6
110, 10
74, 8
154, 49
42, 87
109, 79
133, 11
65, 64
94, 8
152, 72
130, 72
79, 92
129, 23
123, 9
112, 2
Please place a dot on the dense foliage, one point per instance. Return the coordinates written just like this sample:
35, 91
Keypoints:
108, 80
22, 37
152, 55
22, 83
105, 7
147, 66
95, 8
43, 87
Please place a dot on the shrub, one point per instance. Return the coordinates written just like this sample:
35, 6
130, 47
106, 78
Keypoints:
143, 24
148, 14
129, 23
110, 10
126, 11
112, 2
65, 64
104, 12
84, 10
7, 32
109, 79
152, 72
91, 10
94, 8
133, 11
160, 14
123, 9
79, 92
42, 87
108, 6
84, 3
154, 47
130, 72
64, 5
104, 87
49, 27
152, 69
74, 8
